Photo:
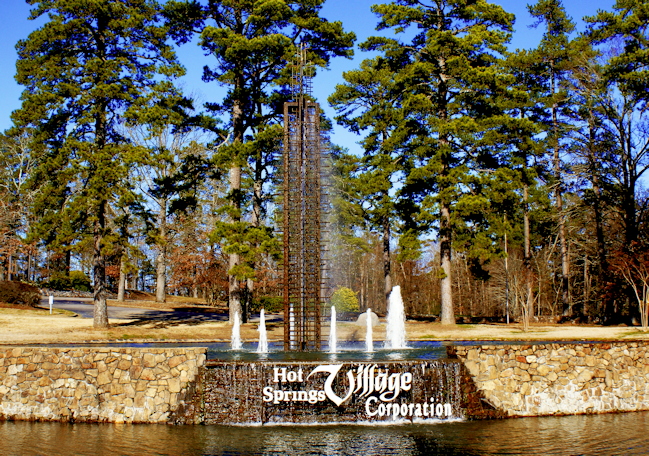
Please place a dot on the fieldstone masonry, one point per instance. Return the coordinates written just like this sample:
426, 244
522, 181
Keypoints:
557, 379
96, 384
173, 385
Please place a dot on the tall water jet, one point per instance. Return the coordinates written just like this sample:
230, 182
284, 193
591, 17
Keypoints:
369, 343
333, 342
236, 334
263, 339
395, 332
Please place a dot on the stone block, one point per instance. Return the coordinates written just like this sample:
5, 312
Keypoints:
129, 390
125, 377
78, 374
148, 360
135, 371
116, 388
124, 364
103, 378
584, 376
174, 385
147, 374
176, 360
472, 367
139, 399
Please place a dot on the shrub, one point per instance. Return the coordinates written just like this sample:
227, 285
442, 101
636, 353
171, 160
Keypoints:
345, 300
19, 293
59, 282
268, 303
79, 281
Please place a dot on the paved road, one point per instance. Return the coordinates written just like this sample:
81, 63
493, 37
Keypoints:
84, 308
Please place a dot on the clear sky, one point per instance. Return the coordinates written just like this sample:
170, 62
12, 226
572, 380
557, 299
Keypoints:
354, 14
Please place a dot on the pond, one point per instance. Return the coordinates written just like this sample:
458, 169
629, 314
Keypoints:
592, 435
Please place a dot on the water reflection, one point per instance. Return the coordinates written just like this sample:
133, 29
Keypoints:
592, 435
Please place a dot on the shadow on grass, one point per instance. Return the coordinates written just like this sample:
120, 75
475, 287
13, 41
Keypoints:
186, 316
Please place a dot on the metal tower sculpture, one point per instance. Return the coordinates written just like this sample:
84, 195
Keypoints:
303, 202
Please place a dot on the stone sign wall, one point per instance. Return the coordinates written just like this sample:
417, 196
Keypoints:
318, 392
560, 378
96, 384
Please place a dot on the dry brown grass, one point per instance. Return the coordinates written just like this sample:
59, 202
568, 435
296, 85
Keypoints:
38, 326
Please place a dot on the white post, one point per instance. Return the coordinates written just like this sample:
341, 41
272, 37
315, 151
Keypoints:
51, 302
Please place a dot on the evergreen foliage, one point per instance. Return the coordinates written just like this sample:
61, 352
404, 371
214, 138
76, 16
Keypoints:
251, 44
86, 69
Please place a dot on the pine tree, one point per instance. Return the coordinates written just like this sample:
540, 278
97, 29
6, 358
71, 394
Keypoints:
252, 42
628, 24
623, 38
450, 82
367, 102
556, 52
84, 70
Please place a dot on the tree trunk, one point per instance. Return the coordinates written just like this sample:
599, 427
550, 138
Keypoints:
238, 130
565, 265
234, 289
362, 287
122, 279
161, 264
100, 313
445, 230
448, 315
527, 257
386, 259
585, 306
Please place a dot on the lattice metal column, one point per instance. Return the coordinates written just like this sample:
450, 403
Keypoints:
303, 197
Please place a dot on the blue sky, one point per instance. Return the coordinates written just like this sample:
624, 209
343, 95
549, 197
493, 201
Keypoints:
354, 14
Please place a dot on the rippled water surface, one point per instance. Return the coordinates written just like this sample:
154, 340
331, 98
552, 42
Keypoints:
623, 434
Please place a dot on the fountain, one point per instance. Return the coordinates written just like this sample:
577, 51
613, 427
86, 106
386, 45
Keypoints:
395, 332
369, 343
236, 343
302, 384
263, 340
332, 331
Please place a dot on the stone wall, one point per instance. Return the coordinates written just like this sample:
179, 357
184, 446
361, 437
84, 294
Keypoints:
96, 384
551, 379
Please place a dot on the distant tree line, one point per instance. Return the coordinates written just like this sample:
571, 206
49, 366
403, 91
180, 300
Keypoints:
491, 181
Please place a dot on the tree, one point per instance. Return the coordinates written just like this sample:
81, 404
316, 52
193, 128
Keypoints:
593, 151
628, 26
556, 52
17, 162
367, 102
84, 70
633, 264
163, 143
450, 82
622, 36
252, 42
